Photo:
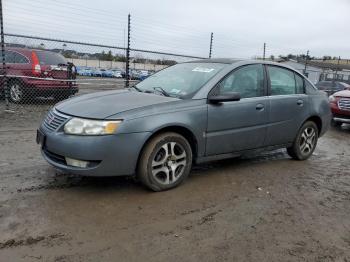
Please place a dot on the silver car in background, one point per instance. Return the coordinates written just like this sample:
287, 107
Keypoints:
188, 113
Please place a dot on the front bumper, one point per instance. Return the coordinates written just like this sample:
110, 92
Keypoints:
341, 118
111, 155
340, 115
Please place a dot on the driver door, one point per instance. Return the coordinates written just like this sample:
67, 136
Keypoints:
239, 125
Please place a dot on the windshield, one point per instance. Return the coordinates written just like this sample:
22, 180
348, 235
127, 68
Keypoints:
181, 80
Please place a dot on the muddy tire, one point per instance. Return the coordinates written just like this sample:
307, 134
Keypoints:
305, 142
165, 162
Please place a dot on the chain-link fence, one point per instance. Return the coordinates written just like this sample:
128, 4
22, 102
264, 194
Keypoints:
40, 72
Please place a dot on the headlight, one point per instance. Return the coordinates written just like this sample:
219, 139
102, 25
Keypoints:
79, 126
332, 99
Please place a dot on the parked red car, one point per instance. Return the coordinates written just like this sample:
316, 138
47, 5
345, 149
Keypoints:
36, 73
340, 106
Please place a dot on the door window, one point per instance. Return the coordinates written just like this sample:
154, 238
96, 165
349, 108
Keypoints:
282, 81
248, 81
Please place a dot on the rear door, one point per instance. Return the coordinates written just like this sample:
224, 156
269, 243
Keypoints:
289, 105
239, 125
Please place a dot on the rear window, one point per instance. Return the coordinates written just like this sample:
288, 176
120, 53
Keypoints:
49, 58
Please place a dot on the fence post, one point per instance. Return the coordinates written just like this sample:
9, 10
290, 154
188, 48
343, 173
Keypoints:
127, 56
306, 58
337, 68
3, 58
211, 44
264, 52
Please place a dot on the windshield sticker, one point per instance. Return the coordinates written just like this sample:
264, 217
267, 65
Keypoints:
203, 70
175, 91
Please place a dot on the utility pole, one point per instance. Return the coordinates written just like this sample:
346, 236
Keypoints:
264, 52
306, 58
127, 56
211, 44
3, 57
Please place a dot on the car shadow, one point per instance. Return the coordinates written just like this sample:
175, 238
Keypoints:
344, 128
127, 183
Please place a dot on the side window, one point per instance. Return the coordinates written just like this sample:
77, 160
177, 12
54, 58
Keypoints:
282, 81
247, 80
9, 57
20, 59
299, 82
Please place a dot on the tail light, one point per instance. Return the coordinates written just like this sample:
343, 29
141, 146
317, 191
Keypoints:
36, 68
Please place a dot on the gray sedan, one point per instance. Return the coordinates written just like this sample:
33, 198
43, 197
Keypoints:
187, 113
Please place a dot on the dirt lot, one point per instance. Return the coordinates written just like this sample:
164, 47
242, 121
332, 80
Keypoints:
263, 207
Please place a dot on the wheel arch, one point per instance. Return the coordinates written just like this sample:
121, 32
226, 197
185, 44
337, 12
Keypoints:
14, 80
179, 129
317, 120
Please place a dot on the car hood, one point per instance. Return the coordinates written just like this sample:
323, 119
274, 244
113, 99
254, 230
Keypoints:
344, 93
104, 104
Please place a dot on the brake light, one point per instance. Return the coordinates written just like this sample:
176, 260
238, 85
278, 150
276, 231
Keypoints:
36, 68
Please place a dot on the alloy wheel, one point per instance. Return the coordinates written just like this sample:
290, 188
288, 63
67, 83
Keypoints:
16, 93
307, 141
169, 163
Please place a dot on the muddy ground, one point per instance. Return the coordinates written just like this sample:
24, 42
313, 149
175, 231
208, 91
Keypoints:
263, 207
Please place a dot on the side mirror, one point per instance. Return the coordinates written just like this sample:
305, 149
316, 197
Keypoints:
227, 97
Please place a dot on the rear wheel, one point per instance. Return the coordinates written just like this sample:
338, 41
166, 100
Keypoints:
305, 142
165, 162
16, 92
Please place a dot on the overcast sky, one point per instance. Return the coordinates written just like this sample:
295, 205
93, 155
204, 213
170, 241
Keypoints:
240, 26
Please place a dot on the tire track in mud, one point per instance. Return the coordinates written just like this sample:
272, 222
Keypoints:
32, 240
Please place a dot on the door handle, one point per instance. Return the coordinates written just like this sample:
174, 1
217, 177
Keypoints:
259, 107
300, 102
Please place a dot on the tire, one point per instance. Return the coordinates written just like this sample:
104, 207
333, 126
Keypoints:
165, 162
305, 142
16, 92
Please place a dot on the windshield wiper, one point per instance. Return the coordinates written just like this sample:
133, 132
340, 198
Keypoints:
162, 91
136, 88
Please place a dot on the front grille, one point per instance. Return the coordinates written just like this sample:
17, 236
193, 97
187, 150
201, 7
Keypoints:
54, 120
344, 104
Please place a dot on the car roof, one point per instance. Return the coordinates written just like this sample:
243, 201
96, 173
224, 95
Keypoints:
216, 60
26, 49
231, 61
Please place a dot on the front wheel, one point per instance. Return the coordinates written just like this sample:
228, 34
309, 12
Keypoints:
165, 161
305, 142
